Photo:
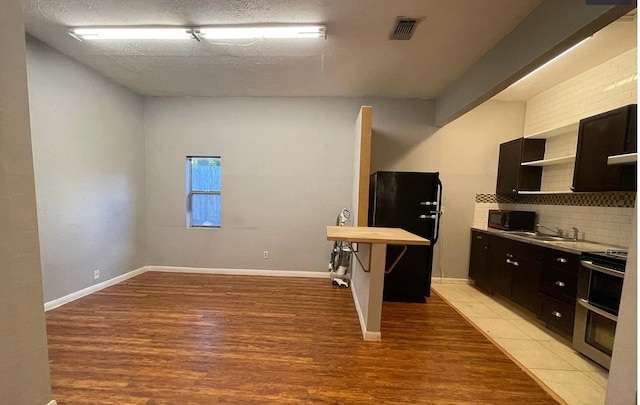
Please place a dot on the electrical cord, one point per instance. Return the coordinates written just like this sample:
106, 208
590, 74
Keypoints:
441, 239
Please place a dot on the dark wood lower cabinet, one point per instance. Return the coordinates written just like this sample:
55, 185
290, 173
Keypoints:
479, 258
500, 273
525, 284
559, 284
542, 280
557, 313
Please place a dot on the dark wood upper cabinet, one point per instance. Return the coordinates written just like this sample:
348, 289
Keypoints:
512, 176
601, 136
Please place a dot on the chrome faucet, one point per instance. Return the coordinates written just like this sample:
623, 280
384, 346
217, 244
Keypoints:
575, 233
557, 231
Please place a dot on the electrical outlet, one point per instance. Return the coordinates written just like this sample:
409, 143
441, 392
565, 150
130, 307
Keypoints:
265, 254
96, 274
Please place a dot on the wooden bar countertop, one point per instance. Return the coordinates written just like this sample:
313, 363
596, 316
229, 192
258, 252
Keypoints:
364, 234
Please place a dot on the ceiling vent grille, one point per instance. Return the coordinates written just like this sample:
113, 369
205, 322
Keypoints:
404, 28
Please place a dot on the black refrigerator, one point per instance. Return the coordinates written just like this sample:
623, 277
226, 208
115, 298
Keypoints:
411, 201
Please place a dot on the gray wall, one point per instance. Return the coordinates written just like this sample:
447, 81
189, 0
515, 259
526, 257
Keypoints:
24, 368
88, 147
465, 152
287, 167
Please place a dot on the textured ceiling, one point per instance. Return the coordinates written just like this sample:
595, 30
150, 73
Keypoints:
356, 59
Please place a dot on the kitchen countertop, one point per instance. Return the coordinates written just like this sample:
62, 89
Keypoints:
578, 247
363, 234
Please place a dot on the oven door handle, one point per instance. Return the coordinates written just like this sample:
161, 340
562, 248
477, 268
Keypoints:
589, 264
597, 310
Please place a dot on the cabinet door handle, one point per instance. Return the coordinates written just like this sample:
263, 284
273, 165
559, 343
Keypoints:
556, 314
561, 260
559, 283
509, 256
478, 237
486, 248
515, 264
509, 261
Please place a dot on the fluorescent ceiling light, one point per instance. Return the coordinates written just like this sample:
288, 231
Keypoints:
131, 33
210, 33
557, 57
285, 31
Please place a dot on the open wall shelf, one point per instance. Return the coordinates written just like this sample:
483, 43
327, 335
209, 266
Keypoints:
626, 159
549, 162
571, 128
545, 192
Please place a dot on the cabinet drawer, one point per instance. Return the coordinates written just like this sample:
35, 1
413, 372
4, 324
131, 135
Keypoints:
559, 284
556, 313
482, 239
568, 262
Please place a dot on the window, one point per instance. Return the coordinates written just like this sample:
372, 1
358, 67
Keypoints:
203, 191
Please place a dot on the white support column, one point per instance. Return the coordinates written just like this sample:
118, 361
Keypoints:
376, 284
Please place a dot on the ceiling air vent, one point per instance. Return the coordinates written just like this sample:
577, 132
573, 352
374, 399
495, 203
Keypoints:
404, 28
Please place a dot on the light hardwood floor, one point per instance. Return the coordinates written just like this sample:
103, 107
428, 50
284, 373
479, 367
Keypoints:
163, 338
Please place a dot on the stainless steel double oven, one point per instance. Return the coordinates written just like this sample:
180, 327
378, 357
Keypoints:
599, 291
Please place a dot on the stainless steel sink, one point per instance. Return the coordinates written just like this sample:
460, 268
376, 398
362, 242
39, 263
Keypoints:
522, 233
547, 238
541, 237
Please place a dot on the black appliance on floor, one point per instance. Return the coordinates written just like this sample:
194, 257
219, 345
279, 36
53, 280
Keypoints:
411, 201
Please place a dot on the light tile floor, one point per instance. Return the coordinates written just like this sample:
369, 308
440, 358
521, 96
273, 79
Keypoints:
549, 356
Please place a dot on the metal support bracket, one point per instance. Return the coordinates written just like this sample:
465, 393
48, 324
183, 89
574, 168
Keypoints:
390, 269
386, 271
364, 268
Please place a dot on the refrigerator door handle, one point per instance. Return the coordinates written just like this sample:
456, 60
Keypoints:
436, 214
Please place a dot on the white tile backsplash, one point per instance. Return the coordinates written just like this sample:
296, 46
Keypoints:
610, 225
607, 86
561, 146
557, 177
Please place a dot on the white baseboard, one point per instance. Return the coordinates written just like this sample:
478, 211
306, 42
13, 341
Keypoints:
240, 272
366, 335
439, 280
52, 403
372, 336
90, 290
363, 324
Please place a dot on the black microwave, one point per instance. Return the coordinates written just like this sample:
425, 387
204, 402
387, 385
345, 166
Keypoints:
512, 220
